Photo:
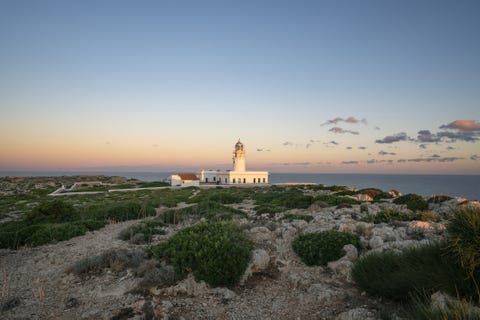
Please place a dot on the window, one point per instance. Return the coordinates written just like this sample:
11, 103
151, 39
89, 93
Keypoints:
254, 180
206, 180
244, 180
263, 180
214, 179
225, 180
234, 180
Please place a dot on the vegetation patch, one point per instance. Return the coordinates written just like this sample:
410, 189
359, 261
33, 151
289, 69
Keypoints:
117, 260
322, 247
210, 210
334, 200
414, 202
217, 253
439, 199
278, 198
142, 232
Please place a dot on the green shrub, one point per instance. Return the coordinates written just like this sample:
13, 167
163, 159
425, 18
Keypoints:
464, 238
439, 199
390, 215
142, 232
210, 210
215, 252
47, 233
291, 217
396, 275
265, 208
125, 211
117, 260
429, 216
323, 247
281, 197
414, 202
334, 200
461, 309
52, 211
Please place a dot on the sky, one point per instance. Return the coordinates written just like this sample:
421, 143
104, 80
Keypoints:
337, 86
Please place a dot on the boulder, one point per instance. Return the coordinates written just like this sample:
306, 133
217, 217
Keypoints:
356, 314
375, 242
188, 287
259, 234
323, 293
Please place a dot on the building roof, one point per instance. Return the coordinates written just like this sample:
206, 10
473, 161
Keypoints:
188, 176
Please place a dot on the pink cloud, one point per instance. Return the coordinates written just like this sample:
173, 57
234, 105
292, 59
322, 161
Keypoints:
463, 125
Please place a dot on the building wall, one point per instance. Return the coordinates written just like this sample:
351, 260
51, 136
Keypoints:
233, 177
175, 180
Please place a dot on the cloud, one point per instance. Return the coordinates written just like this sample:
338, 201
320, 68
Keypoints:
350, 119
341, 131
377, 128
427, 136
373, 161
362, 148
467, 136
402, 136
308, 145
288, 144
474, 157
384, 153
422, 146
349, 148
462, 125
445, 159
349, 162
263, 150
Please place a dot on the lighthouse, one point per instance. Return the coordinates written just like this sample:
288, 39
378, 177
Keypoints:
239, 157
239, 174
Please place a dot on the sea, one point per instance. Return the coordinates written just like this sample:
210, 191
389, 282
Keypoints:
463, 186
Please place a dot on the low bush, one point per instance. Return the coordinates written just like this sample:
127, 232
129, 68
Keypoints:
52, 211
464, 239
281, 197
117, 260
461, 309
127, 211
439, 199
217, 253
142, 232
265, 208
291, 217
414, 202
396, 275
323, 247
334, 200
390, 215
210, 210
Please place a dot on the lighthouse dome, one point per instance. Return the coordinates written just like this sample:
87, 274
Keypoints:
239, 146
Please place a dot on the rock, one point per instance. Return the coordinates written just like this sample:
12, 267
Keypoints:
375, 242
9, 303
188, 287
356, 314
323, 293
385, 232
259, 234
342, 268
351, 252
260, 260
224, 293
299, 224
71, 302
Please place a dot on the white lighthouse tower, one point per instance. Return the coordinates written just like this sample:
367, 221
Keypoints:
239, 174
239, 157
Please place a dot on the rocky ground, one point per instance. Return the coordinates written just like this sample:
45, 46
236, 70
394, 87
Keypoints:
37, 284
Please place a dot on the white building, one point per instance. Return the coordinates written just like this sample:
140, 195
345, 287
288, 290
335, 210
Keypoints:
239, 175
184, 180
